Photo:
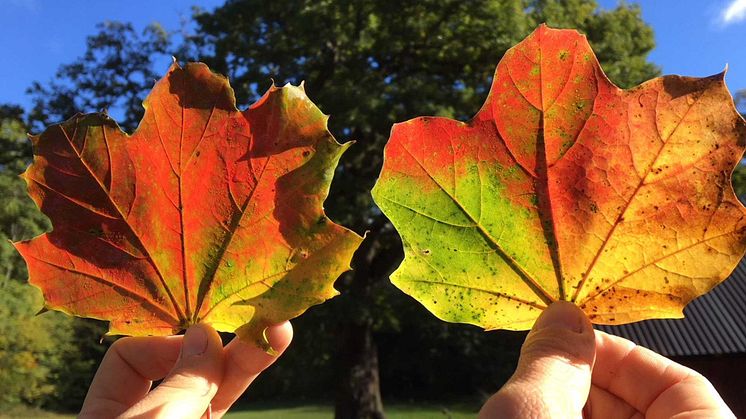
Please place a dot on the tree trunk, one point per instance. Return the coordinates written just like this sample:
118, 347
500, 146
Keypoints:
358, 386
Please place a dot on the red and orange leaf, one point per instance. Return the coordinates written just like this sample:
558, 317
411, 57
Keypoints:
204, 214
565, 187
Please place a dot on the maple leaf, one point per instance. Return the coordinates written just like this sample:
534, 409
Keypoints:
204, 214
565, 187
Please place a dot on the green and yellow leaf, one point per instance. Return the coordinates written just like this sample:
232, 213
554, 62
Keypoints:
565, 187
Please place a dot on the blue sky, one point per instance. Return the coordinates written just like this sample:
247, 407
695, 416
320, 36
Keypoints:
693, 37
36, 36
697, 37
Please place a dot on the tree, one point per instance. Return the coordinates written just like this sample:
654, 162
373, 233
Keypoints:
368, 63
19, 217
371, 63
115, 72
28, 345
15, 149
32, 348
44, 360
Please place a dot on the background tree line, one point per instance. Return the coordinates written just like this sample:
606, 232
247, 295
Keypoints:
367, 63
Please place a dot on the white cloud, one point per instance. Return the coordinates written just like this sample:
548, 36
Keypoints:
734, 12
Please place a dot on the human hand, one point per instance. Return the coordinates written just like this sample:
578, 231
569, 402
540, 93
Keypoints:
567, 371
199, 374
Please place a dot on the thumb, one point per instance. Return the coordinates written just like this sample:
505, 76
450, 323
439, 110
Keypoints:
553, 377
187, 390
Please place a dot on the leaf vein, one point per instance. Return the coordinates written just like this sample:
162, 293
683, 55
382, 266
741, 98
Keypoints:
525, 277
639, 186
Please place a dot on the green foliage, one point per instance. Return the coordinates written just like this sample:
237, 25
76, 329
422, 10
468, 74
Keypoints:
80, 361
15, 149
46, 360
19, 217
28, 345
32, 348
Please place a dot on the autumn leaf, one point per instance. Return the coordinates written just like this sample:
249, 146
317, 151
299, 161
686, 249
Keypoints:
565, 187
204, 215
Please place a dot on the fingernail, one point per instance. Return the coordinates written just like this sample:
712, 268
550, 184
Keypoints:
195, 342
562, 315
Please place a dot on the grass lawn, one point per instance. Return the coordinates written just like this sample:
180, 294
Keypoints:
29, 412
309, 411
393, 411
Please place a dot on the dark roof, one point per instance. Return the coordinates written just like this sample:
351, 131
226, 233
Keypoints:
715, 323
